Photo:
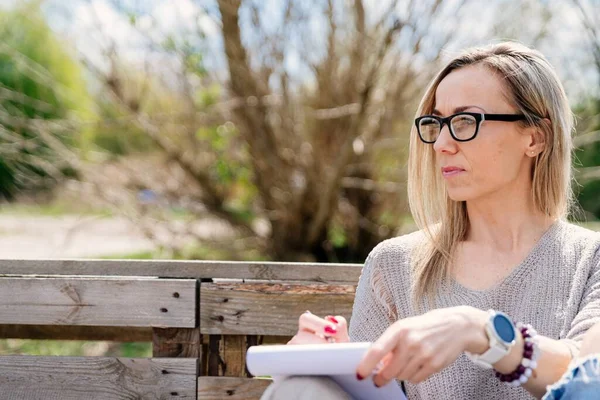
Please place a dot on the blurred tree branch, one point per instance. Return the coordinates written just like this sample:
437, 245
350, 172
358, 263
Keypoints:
288, 156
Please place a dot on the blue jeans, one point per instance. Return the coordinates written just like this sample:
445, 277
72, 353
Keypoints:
580, 382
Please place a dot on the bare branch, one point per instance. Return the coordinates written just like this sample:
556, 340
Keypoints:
586, 139
347, 150
271, 170
587, 174
371, 185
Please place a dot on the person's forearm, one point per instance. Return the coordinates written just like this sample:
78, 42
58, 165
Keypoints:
552, 363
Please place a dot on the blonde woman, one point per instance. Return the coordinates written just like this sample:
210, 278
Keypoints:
492, 297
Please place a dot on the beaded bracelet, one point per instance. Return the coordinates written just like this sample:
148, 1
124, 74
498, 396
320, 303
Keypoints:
529, 361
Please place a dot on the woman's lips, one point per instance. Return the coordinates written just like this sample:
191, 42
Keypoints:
448, 172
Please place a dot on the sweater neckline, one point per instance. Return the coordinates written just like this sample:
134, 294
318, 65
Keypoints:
520, 271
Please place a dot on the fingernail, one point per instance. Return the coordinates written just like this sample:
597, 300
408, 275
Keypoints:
359, 377
332, 319
307, 312
329, 329
375, 383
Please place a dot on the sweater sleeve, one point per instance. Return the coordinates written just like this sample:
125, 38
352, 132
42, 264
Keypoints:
373, 308
589, 308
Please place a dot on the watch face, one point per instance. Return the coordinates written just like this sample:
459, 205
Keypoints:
504, 328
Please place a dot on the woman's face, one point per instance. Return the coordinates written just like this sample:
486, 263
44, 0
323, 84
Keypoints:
497, 157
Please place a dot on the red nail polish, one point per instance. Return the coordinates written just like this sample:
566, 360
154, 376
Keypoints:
332, 319
359, 377
330, 330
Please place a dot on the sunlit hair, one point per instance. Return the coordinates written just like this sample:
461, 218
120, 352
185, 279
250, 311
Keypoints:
534, 89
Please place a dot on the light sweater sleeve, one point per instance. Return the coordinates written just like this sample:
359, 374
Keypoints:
373, 308
589, 308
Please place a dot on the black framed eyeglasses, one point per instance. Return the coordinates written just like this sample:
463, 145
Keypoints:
464, 126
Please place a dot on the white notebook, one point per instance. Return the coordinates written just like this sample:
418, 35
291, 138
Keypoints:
337, 361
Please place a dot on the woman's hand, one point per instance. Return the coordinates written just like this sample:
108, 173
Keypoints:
414, 348
312, 329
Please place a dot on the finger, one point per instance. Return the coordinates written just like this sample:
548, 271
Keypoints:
384, 361
393, 364
338, 320
304, 337
427, 361
423, 370
409, 368
342, 327
311, 323
382, 346
421, 374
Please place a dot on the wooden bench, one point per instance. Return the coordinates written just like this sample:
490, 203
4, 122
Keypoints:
201, 316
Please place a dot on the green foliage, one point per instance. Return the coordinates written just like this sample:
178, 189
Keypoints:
193, 251
55, 208
588, 194
74, 348
231, 169
39, 81
209, 96
115, 134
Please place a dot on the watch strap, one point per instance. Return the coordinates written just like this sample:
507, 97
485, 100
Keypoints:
490, 357
496, 351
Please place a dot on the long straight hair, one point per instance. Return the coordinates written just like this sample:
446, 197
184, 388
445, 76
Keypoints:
533, 87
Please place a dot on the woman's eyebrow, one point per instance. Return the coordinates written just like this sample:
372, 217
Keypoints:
457, 109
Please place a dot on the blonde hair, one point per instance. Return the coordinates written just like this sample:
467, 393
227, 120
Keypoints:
534, 89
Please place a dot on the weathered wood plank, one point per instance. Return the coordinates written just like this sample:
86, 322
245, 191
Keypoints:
215, 361
210, 388
275, 339
285, 271
268, 309
233, 349
98, 301
260, 339
176, 342
66, 332
102, 378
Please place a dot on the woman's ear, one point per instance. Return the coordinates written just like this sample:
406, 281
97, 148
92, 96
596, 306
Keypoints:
537, 138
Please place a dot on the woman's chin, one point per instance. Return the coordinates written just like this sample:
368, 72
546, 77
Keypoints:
461, 194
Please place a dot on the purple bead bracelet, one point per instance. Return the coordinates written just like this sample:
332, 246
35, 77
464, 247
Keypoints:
529, 361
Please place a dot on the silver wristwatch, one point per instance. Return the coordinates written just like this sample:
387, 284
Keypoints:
502, 335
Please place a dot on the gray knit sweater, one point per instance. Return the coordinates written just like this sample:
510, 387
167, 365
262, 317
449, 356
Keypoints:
556, 289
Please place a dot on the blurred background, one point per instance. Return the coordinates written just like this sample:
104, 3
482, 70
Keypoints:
242, 129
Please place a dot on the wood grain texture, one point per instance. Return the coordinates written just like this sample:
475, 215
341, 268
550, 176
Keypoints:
102, 378
233, 349
313, 272
260, 339
98, 301
210, 388
268, 309
66, 332
176, 342
215, 361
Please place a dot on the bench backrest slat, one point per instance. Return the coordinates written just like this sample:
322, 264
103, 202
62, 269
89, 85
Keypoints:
267, 309
314, 272
212, 387
102, 378
98, 301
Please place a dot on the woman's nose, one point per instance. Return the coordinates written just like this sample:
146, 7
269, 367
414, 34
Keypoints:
445, 143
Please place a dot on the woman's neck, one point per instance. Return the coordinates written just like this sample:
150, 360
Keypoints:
506, 223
